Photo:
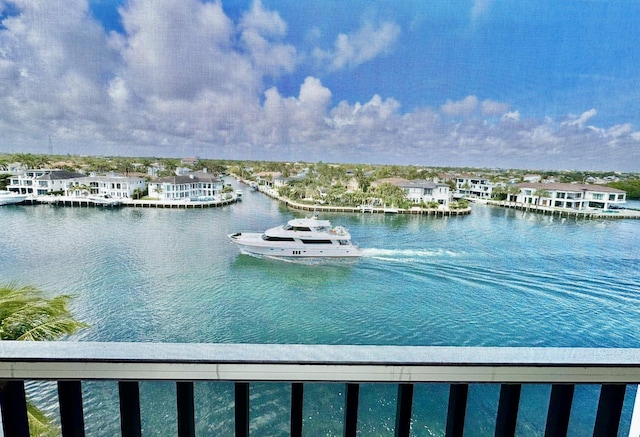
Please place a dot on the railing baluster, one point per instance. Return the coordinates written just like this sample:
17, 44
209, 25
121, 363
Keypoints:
297, 402
403, 410
351, 410
559, 410
130, 423
71, 411
242, 409
457, 409
508, 410
185, 405
609, 410
14, 409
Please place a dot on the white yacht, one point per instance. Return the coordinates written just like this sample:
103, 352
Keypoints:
9, 197
299, 238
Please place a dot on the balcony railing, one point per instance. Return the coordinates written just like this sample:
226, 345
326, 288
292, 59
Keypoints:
72, 363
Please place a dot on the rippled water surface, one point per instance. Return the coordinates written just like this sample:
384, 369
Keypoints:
494, 278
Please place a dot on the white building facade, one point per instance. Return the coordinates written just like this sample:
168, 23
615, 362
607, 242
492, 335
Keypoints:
573, 196
113, 186
195, 186
426, 191
421, 191
40, 182
474, 186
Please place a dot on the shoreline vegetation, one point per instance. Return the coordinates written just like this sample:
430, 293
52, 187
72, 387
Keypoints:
310, 206
327, 186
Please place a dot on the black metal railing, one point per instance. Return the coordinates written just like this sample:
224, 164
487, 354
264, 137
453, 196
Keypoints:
72, 363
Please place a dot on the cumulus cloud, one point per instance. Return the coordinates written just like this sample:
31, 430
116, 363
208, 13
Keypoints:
491, 107
580, 120
465, 106
351, 50
182, 77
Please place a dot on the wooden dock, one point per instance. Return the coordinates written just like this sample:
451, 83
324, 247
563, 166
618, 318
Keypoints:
136, 203
585, 214
195, 204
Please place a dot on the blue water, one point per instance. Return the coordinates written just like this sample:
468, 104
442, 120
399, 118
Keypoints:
494, 278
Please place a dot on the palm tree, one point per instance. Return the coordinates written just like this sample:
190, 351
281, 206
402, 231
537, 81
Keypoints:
539, 194
512, 192
26, 315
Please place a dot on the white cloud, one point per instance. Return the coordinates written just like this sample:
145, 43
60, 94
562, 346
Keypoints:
351, 50
511, 116
465, 106
491, 107
183, 78
581, 120
256, 26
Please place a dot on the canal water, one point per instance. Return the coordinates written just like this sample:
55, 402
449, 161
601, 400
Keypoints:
496, 277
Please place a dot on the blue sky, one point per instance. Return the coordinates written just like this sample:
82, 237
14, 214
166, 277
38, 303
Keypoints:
487, 83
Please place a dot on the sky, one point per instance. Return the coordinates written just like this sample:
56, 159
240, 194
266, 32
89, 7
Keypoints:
531, 84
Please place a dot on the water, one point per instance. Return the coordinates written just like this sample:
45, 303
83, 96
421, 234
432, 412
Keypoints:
494, 278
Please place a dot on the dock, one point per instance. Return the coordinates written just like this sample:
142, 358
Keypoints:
192, 204
585, 214
82, 202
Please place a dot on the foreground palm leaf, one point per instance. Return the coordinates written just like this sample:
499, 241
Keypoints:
26, 315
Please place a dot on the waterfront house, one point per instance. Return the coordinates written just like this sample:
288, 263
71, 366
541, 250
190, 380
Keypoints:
197, 185
40, 182
111, 185
575, 196
269, 179
474, 186
418, 191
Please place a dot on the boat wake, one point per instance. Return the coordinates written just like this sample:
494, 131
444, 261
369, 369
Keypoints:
404, 254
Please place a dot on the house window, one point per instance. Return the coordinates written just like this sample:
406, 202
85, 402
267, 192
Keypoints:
612, 197
597, 196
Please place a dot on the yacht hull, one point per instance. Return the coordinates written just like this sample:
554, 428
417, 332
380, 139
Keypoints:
253, 244
9, 198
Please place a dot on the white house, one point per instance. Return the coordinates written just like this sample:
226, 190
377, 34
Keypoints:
426, 191
114, 186
40, 182
576, 196
197, 185
420, 190
474, 186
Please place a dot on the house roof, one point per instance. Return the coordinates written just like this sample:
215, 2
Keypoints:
405, 183
55, 175
188, 179
570, 187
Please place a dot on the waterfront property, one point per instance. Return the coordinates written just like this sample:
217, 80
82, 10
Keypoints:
194, 186
40, 182
111, 185
420, 191
474, 186
73, 364
573, 196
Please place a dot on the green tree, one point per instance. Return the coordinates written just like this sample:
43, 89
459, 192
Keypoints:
512, 192
26, 315
4, 181
539, 194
